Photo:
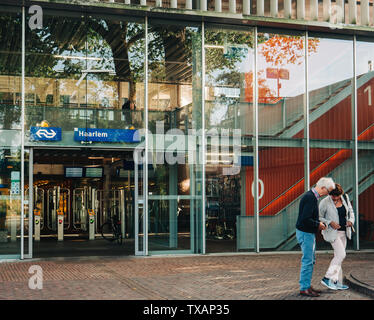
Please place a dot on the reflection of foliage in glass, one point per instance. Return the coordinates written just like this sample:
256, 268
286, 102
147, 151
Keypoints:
264, 92
226, 54
217, 58
10, 70
280, 50
170, 51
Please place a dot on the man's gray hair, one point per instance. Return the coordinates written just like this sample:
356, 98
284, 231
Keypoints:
326, 182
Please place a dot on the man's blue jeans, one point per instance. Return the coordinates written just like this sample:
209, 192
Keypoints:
307, 243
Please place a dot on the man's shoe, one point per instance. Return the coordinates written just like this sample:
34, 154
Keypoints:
309, 293
329, 283
315, 290
341, 286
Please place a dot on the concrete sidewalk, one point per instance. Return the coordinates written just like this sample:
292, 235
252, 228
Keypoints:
206, 277
361, 279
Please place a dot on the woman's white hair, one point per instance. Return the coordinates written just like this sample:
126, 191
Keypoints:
326, 182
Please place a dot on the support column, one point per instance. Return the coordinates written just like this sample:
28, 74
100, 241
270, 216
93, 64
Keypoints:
365, 17
274, 8
260, 8
288, 9
326, 10
246, 7
314, 10
301, 9
352, 11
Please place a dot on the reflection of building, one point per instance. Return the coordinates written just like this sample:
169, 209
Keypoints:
191, 101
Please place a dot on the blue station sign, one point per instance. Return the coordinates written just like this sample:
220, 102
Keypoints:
45, 133
106, 135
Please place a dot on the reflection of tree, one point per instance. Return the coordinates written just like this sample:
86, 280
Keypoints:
225, 51
10, 66
264, 92
282, 50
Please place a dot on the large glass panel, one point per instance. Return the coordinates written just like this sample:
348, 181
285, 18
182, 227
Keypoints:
55, 91
175, 122
85, 89
330, 111
10, 130
83, 82
229, 65
10, 200
281, 87
365, 96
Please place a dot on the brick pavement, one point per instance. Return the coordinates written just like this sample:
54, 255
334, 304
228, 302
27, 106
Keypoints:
212, 277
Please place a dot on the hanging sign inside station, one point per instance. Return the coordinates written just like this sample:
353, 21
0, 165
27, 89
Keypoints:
45, 133
106, 135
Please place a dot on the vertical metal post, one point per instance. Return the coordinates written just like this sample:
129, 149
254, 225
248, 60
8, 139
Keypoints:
203, 240
145, 166
306, 117
255, 145
23, 135
136, 209
31, 201
355, 143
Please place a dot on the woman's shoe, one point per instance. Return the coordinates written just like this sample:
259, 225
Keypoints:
329, 283
341, 286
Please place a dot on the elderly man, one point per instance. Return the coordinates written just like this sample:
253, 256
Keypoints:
307, 226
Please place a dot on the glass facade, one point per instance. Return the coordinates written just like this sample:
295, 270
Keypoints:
221, 128
10, 131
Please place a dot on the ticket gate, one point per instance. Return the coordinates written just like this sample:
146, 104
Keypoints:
113, 203
58, 209
85, 209
38, 211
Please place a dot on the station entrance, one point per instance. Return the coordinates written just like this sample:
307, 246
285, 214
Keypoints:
83, 203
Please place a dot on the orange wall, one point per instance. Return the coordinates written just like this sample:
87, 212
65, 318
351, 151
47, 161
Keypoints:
280, 168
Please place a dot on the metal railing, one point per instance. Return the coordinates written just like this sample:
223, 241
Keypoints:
337, 12
277, 230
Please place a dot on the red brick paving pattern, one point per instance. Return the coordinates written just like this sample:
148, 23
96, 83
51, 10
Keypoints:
250, 277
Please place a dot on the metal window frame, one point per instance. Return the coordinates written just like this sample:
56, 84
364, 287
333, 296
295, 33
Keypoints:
255, 139
355, 141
